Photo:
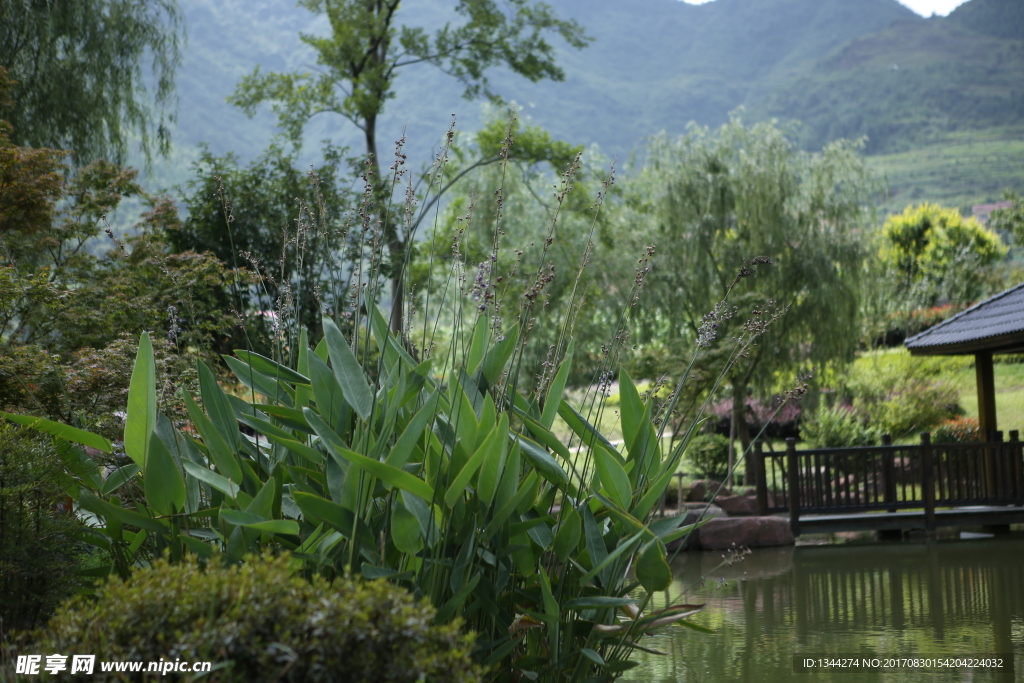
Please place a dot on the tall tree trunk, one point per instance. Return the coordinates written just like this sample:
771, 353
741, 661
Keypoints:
395, 245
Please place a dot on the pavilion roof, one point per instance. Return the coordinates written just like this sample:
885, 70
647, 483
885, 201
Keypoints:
995, 325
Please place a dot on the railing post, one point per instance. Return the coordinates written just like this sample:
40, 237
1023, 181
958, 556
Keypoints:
995, 470
888, 473
762, 480
793, 474
1016, 465
927, 482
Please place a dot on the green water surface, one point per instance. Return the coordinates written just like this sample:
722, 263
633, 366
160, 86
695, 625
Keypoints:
935, 599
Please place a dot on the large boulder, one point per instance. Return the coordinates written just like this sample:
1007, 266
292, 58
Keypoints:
745, 532
694, 513
702, 488
737, 505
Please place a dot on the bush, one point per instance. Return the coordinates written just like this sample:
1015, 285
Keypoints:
709, 455
838, 427
38, 551
963, 430
259, 622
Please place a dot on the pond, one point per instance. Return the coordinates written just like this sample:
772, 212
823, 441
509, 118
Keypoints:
935, 599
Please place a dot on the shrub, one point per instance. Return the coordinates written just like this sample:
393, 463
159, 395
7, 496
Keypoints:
709, 455
38, 552
838, 427
259, 622
962, 430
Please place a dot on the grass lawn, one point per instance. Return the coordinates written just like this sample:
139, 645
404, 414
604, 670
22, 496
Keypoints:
1009, 394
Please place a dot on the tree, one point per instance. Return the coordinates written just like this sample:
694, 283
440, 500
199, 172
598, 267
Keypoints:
284, 225
80, 79
935, 253
360, 61
711, 202
1009, 220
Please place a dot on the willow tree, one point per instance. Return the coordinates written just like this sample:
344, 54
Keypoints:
358, 64
90, 74
713, 201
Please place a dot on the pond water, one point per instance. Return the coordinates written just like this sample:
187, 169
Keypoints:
933, 599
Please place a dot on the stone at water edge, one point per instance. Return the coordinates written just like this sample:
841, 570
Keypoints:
745, 532
737, 505
702, 488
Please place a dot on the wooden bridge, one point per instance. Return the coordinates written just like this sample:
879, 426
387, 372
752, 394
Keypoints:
894, 488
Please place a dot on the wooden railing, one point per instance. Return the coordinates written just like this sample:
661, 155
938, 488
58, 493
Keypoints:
890, 477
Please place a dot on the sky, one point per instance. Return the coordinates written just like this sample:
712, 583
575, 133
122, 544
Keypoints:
923, 7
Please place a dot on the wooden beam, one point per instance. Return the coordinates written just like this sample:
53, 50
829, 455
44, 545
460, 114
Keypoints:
986, 394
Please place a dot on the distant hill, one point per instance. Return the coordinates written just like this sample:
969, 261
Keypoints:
660, 64
912, 83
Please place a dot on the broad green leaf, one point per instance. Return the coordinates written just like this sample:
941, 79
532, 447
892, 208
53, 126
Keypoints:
569, 533
587, 433
593, 656
386, 473
220, 453
624, 548
316, 509
462, 563
109, 511
208, 476
62, 431
450, 608
652, 570
596, 602
478, 344
263, 503
256, 381
300, 449
632, 408
542, 460
405, 531
164, 486
271, 368
526, 491
653, 495
302, 391
491, 447
493, 463
614, 478
596, 548
292, 418
218, 408
493, 364
200, 548
118, 477
330, 399
265, 428
348, 371
141, 418
402, 449
270, 526
554, 397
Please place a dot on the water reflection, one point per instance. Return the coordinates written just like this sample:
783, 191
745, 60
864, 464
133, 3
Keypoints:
898, 600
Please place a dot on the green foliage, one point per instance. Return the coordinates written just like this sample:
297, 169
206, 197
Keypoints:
935, 253
1009, 220
39, 549
899, 395
962, 430
80, 78
286, 226
709, 455
839, 427
258, 621
717, 199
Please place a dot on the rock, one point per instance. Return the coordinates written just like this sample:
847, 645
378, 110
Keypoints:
745, 532
702, 488
694, 513
737, 505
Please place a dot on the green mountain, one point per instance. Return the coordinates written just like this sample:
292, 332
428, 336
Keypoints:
919, 89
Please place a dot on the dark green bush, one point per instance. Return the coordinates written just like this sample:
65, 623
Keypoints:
839, 427
709, 455
38, 548
260, 622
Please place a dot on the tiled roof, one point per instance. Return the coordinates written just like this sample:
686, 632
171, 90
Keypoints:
992, 319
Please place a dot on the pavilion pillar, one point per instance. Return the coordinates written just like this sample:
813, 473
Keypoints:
986, 394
